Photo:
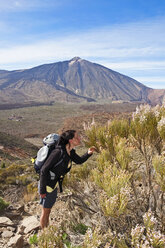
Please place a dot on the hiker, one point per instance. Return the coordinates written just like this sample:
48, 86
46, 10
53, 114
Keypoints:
48, 180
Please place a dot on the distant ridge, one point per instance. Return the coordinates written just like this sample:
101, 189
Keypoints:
74, 80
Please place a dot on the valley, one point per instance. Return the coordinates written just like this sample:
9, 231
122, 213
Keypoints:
38, 121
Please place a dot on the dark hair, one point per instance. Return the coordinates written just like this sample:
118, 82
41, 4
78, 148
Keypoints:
66, 136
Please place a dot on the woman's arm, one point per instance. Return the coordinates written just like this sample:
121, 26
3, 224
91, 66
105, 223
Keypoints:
80, 159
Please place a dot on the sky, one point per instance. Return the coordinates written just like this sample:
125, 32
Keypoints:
127, 36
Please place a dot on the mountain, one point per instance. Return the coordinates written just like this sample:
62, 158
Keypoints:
73, 80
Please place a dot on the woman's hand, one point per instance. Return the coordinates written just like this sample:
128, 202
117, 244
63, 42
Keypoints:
91, 150
43, 195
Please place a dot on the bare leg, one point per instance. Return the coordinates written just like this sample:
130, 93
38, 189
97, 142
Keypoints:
44, 219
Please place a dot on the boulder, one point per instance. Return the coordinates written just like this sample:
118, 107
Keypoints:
31, 223
4, 221
16, 241
10, 228
13, 215
7, 234
20, 208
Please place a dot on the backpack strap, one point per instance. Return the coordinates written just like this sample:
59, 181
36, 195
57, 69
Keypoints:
60, 181
61, 177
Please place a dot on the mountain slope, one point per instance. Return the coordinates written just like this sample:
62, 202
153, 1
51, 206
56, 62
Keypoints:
15, 148
73, 80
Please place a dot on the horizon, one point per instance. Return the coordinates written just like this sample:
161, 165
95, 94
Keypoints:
124, 36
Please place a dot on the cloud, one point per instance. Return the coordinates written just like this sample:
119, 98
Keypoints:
11, 5
151, 79
127, 47
153, 82
104, 44
137, 65
26, 5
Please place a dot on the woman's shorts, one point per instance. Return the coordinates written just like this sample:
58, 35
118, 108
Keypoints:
49, 200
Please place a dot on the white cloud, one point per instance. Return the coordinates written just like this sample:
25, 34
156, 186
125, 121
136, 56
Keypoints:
151, 79
137, 65
153, 82
11, 5
25, 5
119, 41
135, 46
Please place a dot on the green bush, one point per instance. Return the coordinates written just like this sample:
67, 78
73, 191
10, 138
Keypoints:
33, 240
51, 237
80, 228
3, 204
11, 180
3, 165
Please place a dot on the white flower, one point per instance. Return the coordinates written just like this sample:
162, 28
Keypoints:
156, 111
89, 233
142, 119
161, 123
137, 231
141, 110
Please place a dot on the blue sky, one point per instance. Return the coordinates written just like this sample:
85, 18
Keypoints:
127, 36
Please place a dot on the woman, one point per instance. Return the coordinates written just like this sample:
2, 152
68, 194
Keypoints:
55, 166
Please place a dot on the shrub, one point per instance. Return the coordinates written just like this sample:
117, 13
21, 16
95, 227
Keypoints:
80, 228
51, 237
16, 174
159, 166
146, 234
130, 174
3, 165
97, 238
33, 240
31, 192
3, 204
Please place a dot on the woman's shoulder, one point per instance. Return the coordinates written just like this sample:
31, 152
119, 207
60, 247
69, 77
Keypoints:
60, 150
57, 150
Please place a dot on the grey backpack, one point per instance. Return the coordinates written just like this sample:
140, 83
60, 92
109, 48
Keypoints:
50, 143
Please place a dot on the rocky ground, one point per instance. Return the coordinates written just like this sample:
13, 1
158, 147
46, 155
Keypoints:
20, 221
17, 224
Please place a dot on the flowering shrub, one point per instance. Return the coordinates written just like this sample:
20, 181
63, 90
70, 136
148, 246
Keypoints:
130, 174
98, 239
146, 235
51, 237
159, 166
115, 205
144, 125
161, 128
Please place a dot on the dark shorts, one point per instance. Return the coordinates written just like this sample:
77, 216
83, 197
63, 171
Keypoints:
49, 200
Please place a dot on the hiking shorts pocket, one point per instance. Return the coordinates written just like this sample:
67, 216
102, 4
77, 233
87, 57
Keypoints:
49, 200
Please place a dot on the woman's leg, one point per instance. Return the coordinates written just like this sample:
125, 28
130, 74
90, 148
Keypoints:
47, 204
44, 219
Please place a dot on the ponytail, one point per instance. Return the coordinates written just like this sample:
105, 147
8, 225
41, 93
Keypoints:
66, 136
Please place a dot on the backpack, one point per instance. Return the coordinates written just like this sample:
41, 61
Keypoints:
50, 143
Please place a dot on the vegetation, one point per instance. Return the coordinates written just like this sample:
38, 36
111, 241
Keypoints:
80, 228
129, 179
33, 239
122, 187
129, 186
3, 204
